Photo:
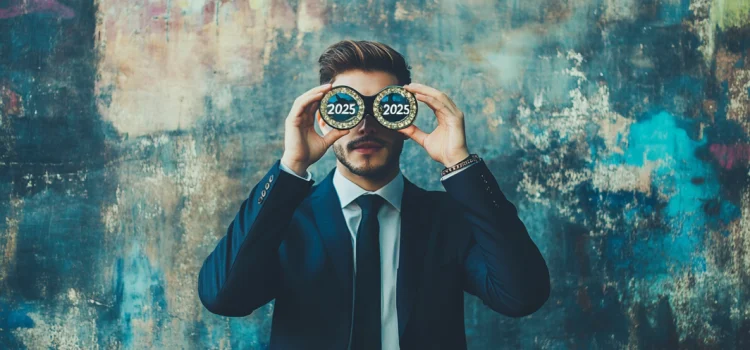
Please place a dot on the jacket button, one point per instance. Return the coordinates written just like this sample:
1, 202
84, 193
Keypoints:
267, 186
263, 193
270, 178
260, 200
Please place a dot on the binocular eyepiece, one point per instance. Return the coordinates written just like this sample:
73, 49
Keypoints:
393, 107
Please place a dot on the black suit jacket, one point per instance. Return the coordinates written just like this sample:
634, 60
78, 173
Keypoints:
289, 242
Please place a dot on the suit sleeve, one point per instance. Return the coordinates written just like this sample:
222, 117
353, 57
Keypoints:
501, 264
242, 273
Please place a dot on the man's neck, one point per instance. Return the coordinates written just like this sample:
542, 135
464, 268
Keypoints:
367, 183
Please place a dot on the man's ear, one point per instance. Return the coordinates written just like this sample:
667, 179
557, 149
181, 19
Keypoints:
324, 127
322, 123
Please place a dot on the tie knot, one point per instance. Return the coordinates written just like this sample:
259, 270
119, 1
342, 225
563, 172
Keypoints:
370, 202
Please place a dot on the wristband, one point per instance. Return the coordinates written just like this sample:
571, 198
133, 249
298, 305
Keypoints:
471, 159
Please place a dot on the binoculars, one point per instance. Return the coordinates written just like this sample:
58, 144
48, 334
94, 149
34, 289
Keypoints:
393, 107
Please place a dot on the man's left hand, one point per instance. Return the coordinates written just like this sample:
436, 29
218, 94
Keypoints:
447, 143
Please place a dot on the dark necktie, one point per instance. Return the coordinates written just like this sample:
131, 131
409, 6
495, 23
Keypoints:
366, 333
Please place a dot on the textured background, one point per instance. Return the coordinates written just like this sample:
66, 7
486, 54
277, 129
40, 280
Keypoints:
131, 131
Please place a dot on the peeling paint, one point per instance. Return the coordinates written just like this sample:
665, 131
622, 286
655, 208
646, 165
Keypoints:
730, 13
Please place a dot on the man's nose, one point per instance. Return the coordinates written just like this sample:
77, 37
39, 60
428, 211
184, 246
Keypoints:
368, 124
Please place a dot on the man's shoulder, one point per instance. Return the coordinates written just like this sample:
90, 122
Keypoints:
436, 199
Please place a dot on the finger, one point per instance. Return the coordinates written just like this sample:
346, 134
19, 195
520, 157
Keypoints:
414, 133
441, 110
435, 93
314, 92
313, 106
321, 88
334, 135
304, 101
309, 112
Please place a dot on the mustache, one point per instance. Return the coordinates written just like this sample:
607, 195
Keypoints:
356, 143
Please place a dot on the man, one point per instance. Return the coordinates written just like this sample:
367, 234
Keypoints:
366, 259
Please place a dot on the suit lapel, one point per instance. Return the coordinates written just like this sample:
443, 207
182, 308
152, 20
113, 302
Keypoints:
332, 228
414, 230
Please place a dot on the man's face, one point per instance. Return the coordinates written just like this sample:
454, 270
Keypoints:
369, 150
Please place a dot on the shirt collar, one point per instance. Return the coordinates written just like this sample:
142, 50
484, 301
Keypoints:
349, 191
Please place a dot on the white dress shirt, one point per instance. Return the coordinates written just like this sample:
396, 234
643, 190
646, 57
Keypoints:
389, 220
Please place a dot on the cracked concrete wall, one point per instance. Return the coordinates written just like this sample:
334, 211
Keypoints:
130, 132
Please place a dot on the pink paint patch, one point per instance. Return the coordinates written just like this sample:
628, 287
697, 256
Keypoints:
156, 10
10, 102
24, 7
209, 12
730, 156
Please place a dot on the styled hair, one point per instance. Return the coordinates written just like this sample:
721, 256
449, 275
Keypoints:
363, 55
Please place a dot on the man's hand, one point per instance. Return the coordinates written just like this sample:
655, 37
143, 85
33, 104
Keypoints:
302, 144
447, 143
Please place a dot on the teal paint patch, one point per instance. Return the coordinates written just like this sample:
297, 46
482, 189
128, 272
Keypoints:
249, 333
143, 300
659, 139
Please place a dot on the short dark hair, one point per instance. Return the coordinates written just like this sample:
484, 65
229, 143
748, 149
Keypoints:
363, 55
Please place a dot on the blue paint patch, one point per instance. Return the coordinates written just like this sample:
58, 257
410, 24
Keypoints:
719, 214
615, 246
12, 319
672, 13
699, 265
143, 295
32, 36
251, 333
684, 84
656, 250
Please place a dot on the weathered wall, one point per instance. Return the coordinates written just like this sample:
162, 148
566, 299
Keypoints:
130, 132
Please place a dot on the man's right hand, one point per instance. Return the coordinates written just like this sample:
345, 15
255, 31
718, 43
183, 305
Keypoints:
302, 144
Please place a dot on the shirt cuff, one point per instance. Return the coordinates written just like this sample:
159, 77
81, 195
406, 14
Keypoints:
307, 177
457, 171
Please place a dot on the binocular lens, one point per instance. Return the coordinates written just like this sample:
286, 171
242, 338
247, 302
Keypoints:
394, 107
342, 107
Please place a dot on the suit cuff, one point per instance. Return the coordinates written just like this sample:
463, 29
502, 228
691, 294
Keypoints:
307, 177
457, 171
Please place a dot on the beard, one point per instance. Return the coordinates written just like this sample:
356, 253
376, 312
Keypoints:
368, 170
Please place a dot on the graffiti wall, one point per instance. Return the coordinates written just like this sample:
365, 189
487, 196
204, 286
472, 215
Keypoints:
131, 131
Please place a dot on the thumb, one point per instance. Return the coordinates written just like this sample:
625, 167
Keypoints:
334, 135
415, 133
